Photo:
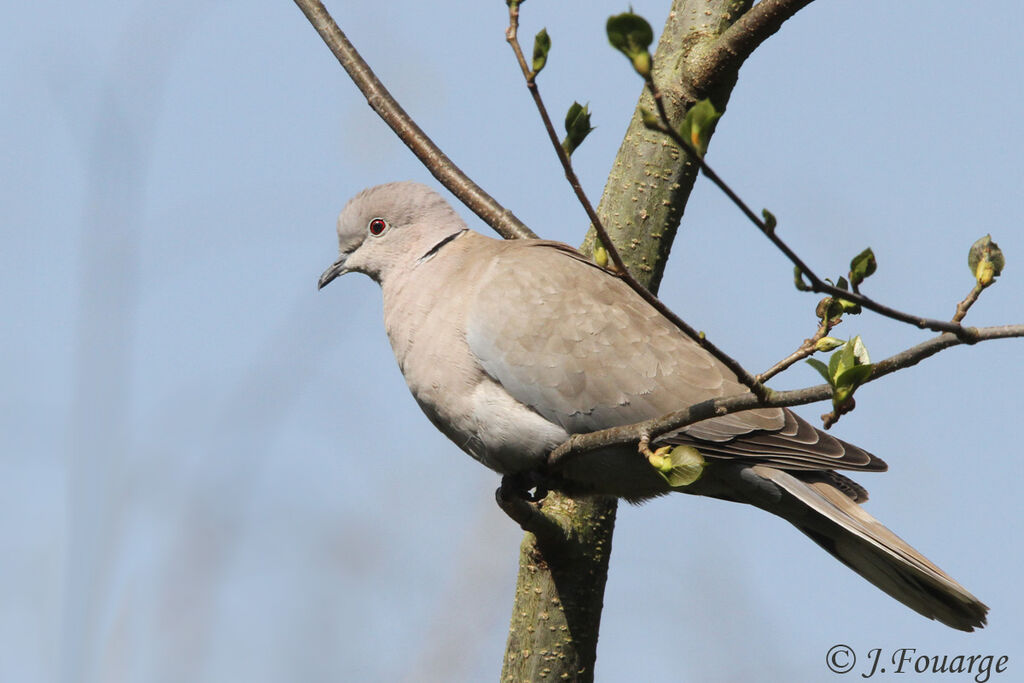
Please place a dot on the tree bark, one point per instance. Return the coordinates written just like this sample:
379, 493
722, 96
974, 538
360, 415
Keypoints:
559, 595
650, 180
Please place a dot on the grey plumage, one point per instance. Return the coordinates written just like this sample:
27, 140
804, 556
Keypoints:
511, 346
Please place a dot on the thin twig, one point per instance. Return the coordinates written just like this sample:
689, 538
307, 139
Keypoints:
621, 270
512, 35
807, 348
972, 296
815, 283
380, 100
579, 444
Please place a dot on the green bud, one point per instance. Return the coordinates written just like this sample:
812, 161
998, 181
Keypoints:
541, 47
798, 281
828, 344
600, 255
770, 222
642, 63
631, 35
660, 461
985, 260
577, 127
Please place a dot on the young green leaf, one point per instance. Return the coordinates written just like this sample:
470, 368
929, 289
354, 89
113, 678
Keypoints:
862, 266
769, 220
860, 352
836, 364
679, 466
541, 47
847, 369
849, 307
699, 125
851, 378
821, 368
577, 127
631, 35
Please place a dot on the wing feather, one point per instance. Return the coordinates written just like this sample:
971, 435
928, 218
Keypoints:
578, 346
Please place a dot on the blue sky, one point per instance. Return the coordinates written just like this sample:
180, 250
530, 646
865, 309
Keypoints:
212, 472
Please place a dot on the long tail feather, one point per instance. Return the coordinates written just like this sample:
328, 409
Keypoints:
858, 540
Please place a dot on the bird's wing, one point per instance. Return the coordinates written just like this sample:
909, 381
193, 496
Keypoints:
581, 348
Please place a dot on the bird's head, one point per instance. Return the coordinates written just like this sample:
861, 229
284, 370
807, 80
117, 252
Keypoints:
388, 228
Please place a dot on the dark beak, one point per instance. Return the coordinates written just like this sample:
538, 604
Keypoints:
337, 268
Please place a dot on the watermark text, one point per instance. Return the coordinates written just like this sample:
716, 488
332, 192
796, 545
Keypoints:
842, 659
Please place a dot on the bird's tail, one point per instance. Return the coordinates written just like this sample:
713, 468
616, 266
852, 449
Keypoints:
839, 525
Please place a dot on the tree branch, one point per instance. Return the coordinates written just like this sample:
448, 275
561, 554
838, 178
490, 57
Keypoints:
815, 284
380, 100
969, 300
806, 349
579, 444
620, 271
512, 35
559, 590
728, 52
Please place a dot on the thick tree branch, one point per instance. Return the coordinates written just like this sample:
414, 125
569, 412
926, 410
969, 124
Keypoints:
380, 100
728, 52
580, 444
562, 572
650, 182
556, 616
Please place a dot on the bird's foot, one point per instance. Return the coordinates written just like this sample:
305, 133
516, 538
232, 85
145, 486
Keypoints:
519, 497
528, 486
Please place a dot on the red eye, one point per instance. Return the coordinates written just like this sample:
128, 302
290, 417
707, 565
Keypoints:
377, 226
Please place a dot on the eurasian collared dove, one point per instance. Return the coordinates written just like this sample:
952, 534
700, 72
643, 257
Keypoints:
511, 346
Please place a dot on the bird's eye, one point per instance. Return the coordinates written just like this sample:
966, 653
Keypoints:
378, 226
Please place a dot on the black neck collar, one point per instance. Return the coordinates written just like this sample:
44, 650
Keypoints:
437, 247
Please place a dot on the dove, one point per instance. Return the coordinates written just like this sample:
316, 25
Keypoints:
511, 346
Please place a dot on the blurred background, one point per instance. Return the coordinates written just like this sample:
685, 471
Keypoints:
211, 472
